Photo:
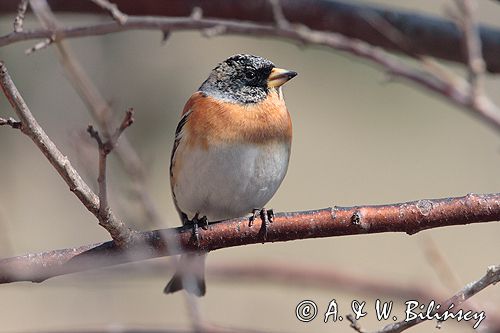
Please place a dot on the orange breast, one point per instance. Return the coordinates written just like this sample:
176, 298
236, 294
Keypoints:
213, 121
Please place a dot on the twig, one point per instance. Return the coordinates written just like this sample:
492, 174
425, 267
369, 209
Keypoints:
101, 112
118, 231
474, 95
354, 324
41, 45
278, 15
105, 147
113, 10
196, 13
441, 266
472, 46
492, 276
110, 144
10, 122
409, 217
21, 11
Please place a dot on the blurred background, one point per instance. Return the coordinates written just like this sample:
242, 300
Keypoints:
358, 139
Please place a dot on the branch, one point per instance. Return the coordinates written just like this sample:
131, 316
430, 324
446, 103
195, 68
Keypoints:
409, 217
29, 126
21, 11
453, 88
492, 276
472, 46
278, 15
431, 35
105, 147
113, 10
10, 122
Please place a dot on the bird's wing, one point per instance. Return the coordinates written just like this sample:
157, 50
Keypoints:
179, 131
186, 112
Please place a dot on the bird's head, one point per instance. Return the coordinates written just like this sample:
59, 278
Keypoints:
245, 78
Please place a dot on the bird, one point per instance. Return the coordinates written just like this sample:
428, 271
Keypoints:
230, 154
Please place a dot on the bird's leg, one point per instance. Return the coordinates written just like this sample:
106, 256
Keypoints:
195, 233
266, 216
195, 223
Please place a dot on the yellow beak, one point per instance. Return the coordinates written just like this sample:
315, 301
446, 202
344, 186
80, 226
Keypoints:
279, 77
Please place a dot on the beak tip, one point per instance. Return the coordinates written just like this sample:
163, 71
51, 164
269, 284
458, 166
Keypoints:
280, 76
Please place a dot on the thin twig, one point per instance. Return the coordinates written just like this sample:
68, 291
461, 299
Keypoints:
21, 12
441, 266
409, 217
196, 13
41, 45
474, 95
113, 10
105, 147
472, 45
278, 15
10, 122
354, 324
118, 231
491, 277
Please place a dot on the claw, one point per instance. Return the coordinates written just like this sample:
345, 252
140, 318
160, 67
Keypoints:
266, 216
255, 213
270, 215
204, 223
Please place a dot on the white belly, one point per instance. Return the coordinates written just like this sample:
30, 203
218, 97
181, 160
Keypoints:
229, 181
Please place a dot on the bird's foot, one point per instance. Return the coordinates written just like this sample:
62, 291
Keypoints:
266, 216
196, 223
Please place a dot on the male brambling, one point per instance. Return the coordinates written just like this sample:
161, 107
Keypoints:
231, 152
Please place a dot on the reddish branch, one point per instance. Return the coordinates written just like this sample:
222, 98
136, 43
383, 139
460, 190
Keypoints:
409, 217
430, 35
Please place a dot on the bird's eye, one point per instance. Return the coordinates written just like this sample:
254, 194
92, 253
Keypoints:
250, 75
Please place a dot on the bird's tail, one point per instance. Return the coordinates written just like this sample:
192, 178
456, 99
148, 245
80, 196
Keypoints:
190, 275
